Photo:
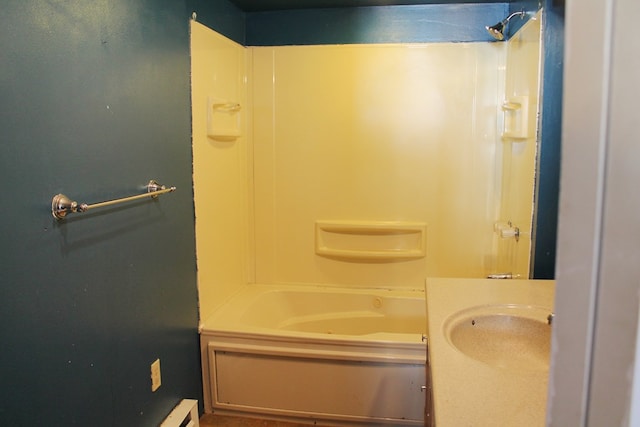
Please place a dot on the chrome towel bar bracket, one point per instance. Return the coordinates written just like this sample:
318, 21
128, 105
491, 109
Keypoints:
61, 205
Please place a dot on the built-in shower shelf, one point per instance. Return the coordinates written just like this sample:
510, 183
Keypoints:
379, 241
223, 119
509, 105
516, 118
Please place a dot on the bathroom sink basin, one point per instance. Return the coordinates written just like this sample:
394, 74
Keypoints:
503, 336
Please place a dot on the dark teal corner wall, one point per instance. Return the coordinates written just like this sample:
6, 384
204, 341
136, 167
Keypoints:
94, 102
381, 24
222, 16
546, 218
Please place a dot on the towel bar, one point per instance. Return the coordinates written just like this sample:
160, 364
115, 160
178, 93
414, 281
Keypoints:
61, 205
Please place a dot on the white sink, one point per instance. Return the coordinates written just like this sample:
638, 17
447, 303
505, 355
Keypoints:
504, 336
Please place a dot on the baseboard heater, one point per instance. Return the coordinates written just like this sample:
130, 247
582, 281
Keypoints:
183, 415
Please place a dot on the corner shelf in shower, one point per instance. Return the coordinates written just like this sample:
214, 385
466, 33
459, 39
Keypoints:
223, 119
516, 118
377, 241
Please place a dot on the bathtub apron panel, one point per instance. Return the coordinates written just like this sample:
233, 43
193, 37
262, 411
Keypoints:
317, 388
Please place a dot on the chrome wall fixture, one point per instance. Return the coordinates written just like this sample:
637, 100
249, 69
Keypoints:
497, 31
61, 205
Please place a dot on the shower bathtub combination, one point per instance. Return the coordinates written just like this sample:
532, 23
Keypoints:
324, 354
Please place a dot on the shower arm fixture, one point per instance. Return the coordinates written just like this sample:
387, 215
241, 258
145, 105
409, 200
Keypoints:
497, 31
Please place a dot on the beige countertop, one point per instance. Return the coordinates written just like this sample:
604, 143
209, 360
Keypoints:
468, 392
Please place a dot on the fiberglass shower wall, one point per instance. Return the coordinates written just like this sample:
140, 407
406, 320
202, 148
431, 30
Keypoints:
376, 133
518, 147
220, 165
352, 133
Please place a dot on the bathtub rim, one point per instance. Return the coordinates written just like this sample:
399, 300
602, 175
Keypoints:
226, 316
414, 351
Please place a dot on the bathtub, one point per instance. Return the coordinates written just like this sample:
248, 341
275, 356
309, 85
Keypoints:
317, 354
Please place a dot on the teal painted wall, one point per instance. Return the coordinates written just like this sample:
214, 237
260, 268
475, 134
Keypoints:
221, 15
545, 223
94, 102
380, 24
